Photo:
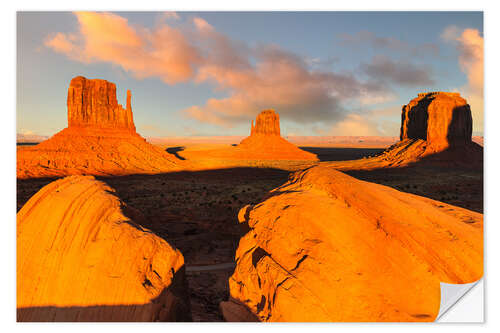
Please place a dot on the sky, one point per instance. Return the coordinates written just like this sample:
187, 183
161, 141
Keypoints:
211, 73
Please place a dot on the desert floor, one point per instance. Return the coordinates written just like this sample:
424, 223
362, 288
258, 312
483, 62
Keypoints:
196, 211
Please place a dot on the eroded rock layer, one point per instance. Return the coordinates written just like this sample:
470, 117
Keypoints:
100, 139
82, 257
328, 247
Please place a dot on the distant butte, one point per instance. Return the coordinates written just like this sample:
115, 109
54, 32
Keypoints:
92, 103
100, 139
267, 123
264, 144
442, 119
265, 141
436, 128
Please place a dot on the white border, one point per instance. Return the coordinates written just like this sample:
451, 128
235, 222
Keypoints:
8, 22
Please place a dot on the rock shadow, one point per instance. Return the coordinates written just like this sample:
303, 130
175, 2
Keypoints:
330, 154
175, 150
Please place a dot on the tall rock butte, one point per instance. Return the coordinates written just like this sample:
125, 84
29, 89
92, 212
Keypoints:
100, 139
326, 247
82, 256
265, 141
436, 128
264, 145
442, 119
267, 123
93, 103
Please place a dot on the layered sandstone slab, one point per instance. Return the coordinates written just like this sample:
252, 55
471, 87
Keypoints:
328, 247
436, 128
81, 257
100, 139
264, 143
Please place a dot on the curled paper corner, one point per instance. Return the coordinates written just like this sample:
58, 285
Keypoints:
452, 296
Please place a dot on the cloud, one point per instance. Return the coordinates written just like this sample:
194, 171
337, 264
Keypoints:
400, 72
387, 43
162, 52
169, 16
355, 125
280, 80
252, 77
470, 45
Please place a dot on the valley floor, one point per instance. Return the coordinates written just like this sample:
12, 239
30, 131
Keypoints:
196, 211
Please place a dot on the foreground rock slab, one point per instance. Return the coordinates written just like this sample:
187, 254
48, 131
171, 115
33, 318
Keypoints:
81, 256
328, 247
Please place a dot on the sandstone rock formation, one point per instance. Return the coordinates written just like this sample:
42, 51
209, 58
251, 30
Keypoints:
267, 123
436, 128
92, 103
264, 143
328, 247
80, 257
100, 139
440, 118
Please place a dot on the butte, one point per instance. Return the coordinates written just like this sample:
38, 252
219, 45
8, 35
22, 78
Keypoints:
100, 139
436, 129
264, 144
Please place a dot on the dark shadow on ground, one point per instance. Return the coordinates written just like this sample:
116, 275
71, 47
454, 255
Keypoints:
326, 154
27, 143
462, 187
175, 151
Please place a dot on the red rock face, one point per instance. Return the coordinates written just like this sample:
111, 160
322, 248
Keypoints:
92, 103
267, 123
442, 119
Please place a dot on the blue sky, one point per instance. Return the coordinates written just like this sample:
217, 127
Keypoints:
210, 73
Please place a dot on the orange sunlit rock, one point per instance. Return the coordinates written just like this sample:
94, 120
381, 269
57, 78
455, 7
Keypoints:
328, 247
436, 127
92, 103
80, 257
100, 139
264, 143
442, 119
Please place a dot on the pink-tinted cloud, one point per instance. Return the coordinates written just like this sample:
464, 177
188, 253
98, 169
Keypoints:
470, 45
253, 78
163, 52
